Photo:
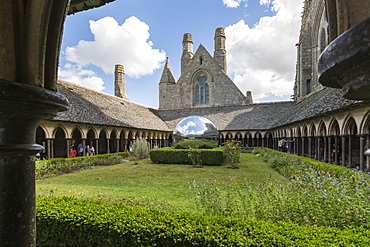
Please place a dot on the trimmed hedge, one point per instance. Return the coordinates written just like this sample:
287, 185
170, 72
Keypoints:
201, 143
56, 166
280, 160
66, 221
169, 155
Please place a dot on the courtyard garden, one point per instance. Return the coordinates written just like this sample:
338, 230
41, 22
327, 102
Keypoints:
272, 199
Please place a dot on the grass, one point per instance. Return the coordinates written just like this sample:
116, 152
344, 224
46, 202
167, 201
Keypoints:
157, 185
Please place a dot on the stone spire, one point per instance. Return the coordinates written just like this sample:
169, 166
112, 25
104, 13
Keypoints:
187, 50
119, 82
220, 48
167, 74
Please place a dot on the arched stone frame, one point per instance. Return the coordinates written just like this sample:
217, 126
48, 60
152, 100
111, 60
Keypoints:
60, 149
102, 146
305, 140
312, 152
123, 140
365, 141
248, 139
41, 139
257, 140
221, 138
239, 137
334, 142
194, 83
130, 139
350, 143
228, 136
322, 144
113, 141
298, 141
269, 140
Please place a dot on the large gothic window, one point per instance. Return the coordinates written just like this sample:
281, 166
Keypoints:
201, 91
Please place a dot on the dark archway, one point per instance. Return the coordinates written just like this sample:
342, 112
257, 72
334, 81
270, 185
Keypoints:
60, 144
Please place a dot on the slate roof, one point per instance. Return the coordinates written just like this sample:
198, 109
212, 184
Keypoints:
92, 107
249, 117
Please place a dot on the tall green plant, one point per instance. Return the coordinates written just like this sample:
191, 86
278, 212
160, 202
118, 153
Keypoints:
231, 151
141, 148
194, 155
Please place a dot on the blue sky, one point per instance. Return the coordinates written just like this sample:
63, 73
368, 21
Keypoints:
260, 39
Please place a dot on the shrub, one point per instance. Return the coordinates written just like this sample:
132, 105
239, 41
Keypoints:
201, 143
56, 166
180, 156
65, 221
231, 151
194, 155
141, 148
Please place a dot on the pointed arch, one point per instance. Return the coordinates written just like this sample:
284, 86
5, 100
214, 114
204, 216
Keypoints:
365, 123
334, 127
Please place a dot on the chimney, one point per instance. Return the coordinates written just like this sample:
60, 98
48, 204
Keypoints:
119, 82
249, 98
187, 50
220, 48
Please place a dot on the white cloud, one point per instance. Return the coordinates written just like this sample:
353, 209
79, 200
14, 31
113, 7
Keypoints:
125, 44
75, 74
262, 58
233, 3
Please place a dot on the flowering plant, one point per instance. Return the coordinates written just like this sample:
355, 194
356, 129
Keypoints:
231, 151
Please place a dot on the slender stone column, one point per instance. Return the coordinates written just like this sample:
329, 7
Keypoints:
84, 146
69, 141
22, 107
318, 155
303, 146
309, 147
362, 141
325, 149
108, 145
330, 149
117, 145
349, 165
343, 149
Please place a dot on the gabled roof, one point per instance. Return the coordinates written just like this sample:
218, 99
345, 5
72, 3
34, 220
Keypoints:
92, 107
81, 5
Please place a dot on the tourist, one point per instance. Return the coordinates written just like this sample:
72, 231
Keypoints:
72, 150
90, 150
80, 149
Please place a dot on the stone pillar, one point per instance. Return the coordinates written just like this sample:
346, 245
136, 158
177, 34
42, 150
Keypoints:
362, 142
303, 146
343, 149
325, 149
318, 154
84, 146
108, 145
330, 148
349, 165
50, 151
117, 145
69, 141
22, 107
309, 147
336, 154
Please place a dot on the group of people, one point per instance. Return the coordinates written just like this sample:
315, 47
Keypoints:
90, 150
284, 145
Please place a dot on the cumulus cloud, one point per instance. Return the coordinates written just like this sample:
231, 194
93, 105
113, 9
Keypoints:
125, 44
83, 77
234, 3
262, 58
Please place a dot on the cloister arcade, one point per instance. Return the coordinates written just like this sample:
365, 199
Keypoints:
337, 139
57, 137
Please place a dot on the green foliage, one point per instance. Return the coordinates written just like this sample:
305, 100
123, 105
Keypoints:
65, 221
315, 195
52, 167
180, 156
231, 151
141, 148
194, 155
192, 143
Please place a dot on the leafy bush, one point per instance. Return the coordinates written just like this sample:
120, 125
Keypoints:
194, 155
201, 143
52, 167
170, 155
315, 195
141, 148
231, 151
65, 221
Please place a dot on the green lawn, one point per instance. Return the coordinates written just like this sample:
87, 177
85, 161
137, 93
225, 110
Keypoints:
164, 186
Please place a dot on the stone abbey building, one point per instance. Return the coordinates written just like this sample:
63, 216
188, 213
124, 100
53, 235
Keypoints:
324, 125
